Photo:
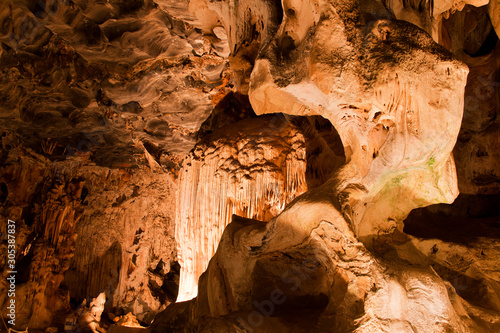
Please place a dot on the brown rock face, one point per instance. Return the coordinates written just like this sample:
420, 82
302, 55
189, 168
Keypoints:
474, 40
45, 242
252, 168
99, 103
62, 209
131, 260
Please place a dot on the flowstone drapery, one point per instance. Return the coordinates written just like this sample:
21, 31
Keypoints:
254, 170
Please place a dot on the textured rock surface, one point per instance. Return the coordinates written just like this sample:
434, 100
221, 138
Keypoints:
62, 209
251, 168
254, 169
467, 29
134, 69
131, 260
95, 96
330, 282
100, 101
337, 255
46, 210
494, 11
367, 91
474, 40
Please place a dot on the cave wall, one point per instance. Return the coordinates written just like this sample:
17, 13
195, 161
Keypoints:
84, 229
95, 97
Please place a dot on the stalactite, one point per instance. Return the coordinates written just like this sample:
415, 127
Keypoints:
61, 211
239, 171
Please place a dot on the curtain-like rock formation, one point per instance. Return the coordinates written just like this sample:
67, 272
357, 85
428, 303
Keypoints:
253, 168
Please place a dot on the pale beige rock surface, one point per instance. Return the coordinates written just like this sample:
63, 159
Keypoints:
494, 12
390, 136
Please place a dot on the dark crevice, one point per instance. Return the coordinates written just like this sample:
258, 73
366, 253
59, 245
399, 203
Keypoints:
279, 11
285, 46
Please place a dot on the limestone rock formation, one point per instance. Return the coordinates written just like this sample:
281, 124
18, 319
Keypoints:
132, 259
90, 317
337, 255
283, 150
380, 124
254, 170
251, 168
475, 41
494, 11
62, 209
99, 102
49, 208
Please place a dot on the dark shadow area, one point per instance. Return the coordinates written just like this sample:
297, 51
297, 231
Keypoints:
482, 39
290, 283
468, 218
325, 151
102, 274
488, 45
474, 290
231, 109
171, 282
4, 192
23, 266
285, 46
168, 289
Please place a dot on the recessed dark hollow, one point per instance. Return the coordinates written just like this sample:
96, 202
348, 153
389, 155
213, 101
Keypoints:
471, 217
286, 45
487, 46
4, 192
